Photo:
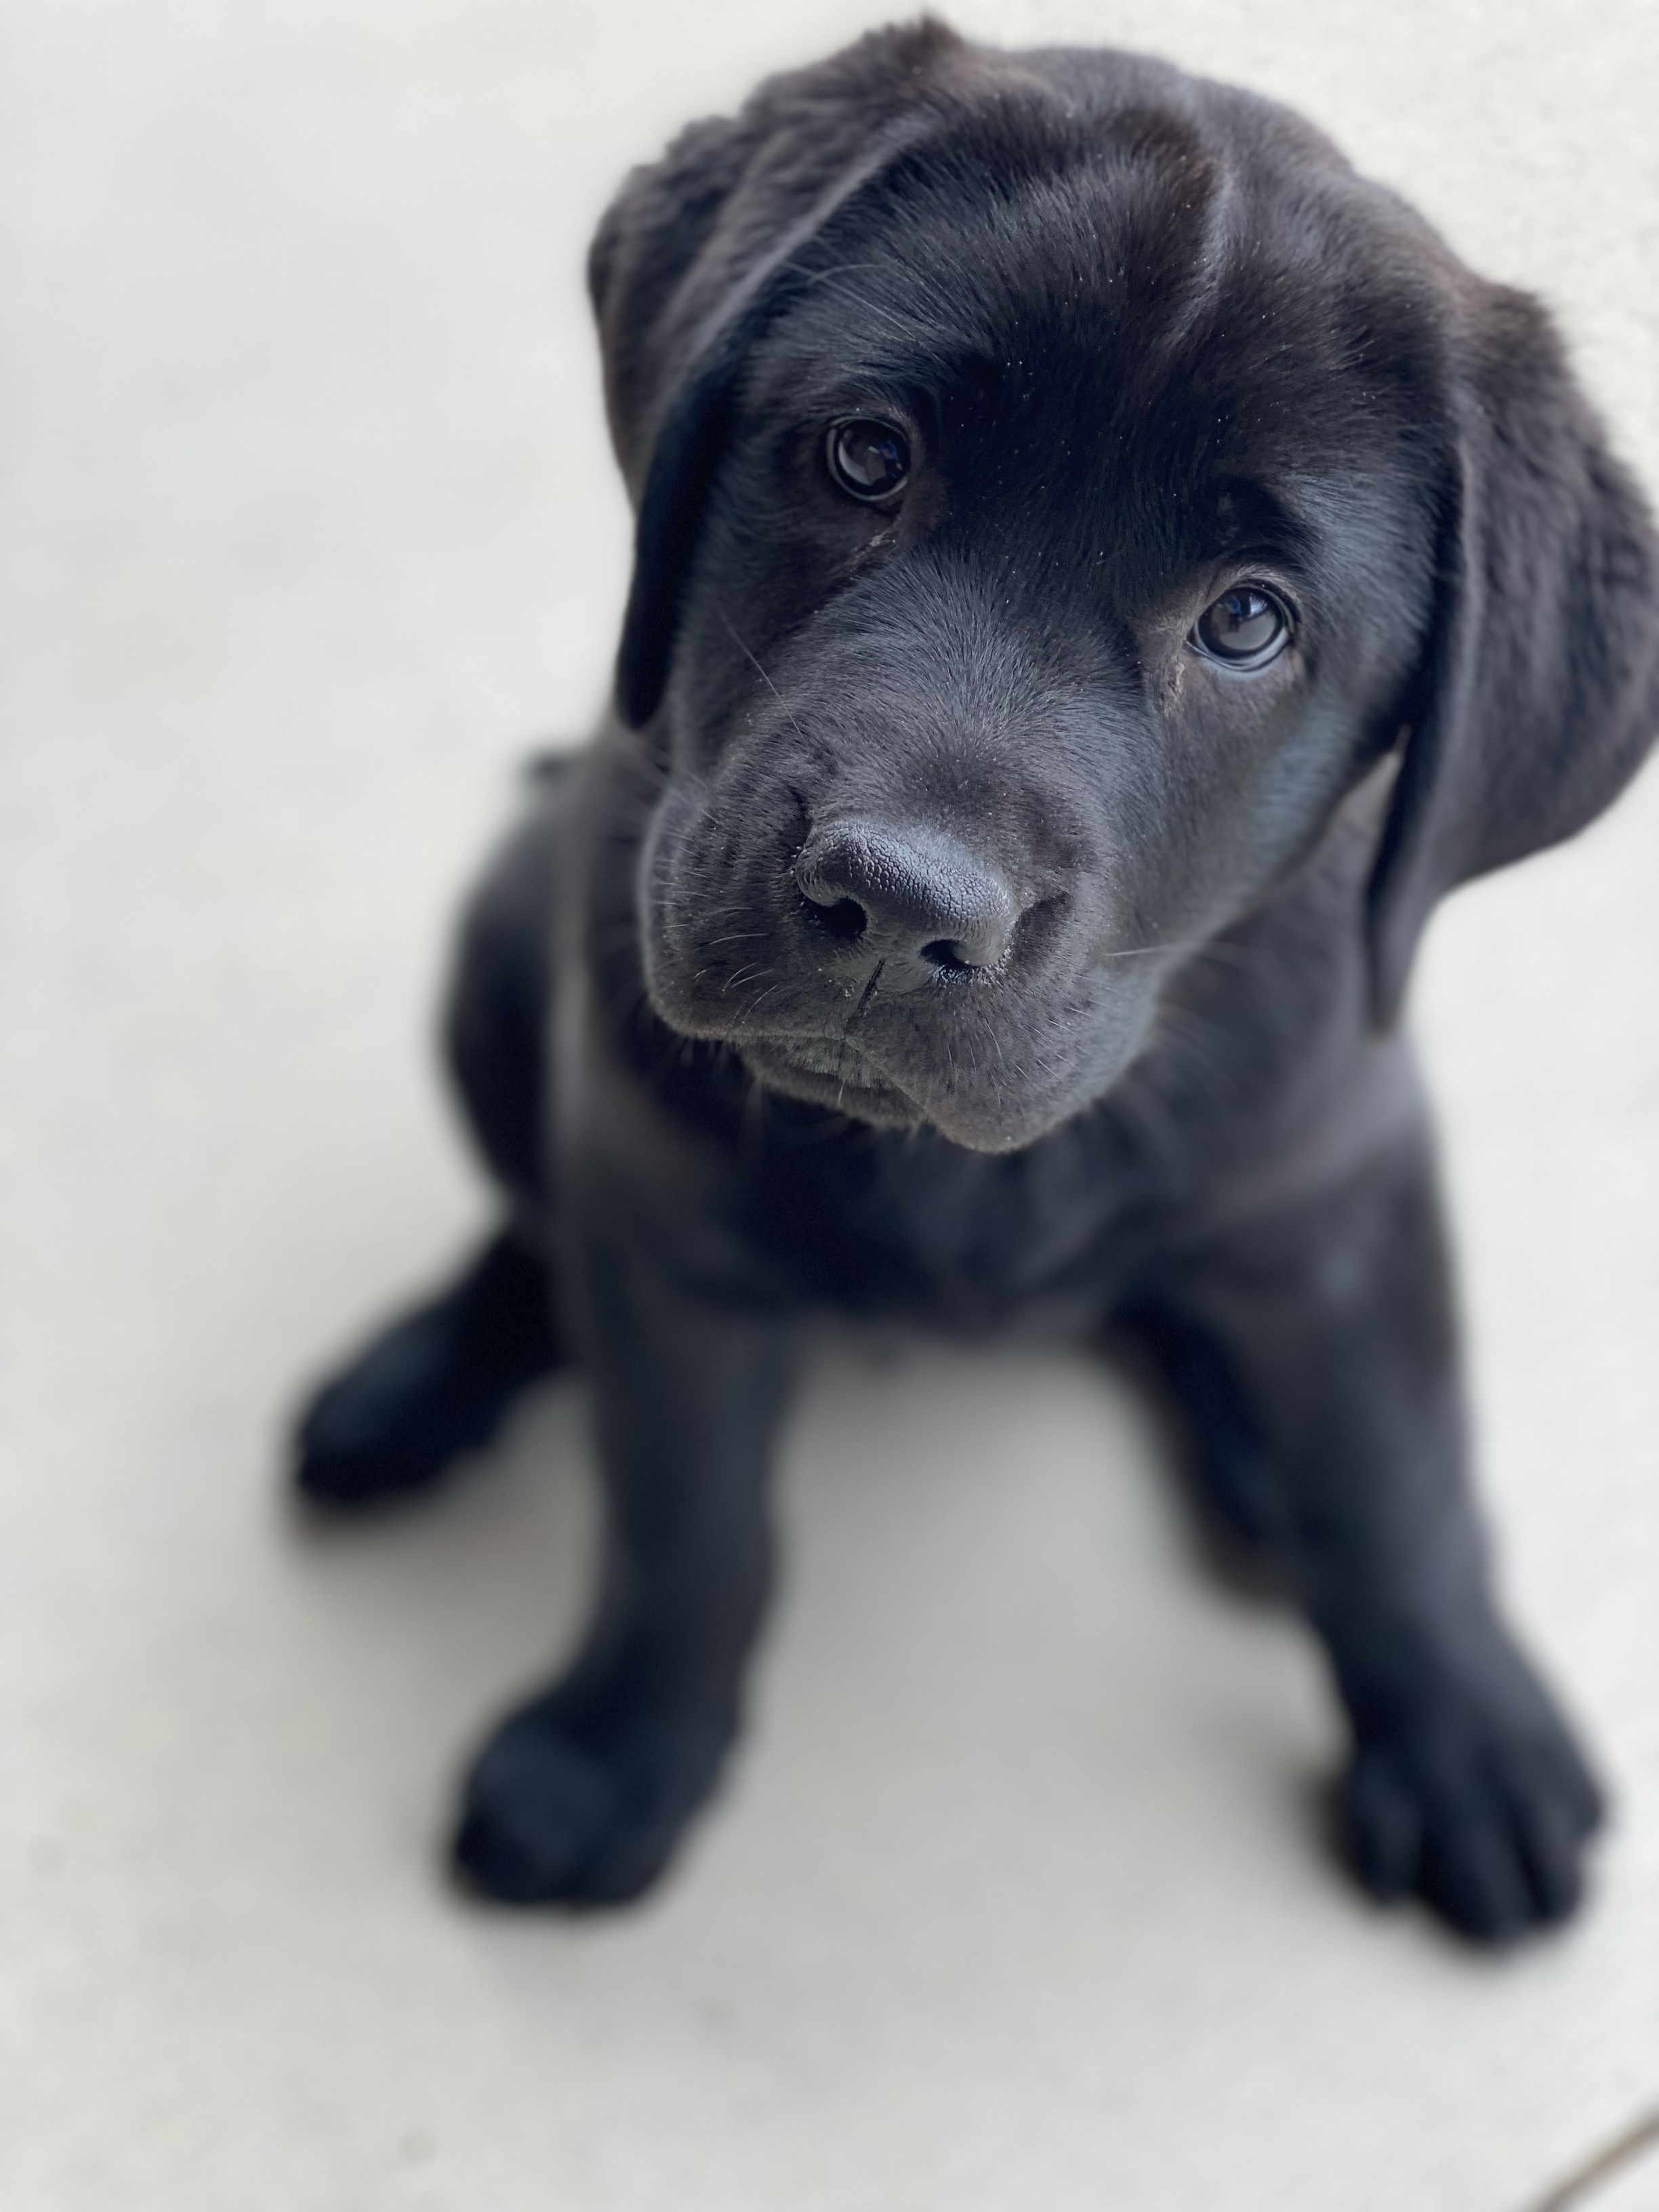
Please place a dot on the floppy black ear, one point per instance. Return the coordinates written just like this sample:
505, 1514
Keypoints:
1541, 697
685, 454
694, 257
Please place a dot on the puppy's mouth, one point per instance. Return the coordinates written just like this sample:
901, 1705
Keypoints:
831, 1070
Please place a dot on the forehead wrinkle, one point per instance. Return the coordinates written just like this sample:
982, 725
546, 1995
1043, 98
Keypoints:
954, 265
1119, 263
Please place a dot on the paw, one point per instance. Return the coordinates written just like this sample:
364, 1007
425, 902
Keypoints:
392, 1423
433, 1386
1484, 1811
558, 1813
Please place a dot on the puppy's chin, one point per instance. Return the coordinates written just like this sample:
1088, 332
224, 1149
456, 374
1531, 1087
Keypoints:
825, 1072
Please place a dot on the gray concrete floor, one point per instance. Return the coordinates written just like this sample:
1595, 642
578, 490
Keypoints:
1016, 1899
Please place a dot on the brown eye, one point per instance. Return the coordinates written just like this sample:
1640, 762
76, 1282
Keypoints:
1245, 627
868, 459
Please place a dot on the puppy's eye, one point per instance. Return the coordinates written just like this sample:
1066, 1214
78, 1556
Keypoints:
868, 459
1245, 627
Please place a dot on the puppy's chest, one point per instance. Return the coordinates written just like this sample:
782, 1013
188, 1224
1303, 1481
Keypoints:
917, 1229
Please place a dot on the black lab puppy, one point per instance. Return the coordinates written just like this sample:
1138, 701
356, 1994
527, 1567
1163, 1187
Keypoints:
1104, 570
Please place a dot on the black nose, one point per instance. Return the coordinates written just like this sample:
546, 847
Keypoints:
908, 895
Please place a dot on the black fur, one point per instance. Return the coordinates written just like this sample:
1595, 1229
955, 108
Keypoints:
936, 935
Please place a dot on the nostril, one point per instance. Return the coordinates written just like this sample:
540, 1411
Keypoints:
913, 895
843, 918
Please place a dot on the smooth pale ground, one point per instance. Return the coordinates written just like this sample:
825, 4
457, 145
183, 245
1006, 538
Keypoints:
1018, 1899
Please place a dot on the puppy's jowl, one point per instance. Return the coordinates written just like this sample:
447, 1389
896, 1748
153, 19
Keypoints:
1104, 570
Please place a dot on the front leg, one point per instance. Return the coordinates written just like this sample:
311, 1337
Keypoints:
1335, 1316
581, 1797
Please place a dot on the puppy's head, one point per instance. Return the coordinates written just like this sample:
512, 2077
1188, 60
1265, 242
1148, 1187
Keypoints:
1060, 482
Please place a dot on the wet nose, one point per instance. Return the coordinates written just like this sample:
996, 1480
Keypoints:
913, 895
